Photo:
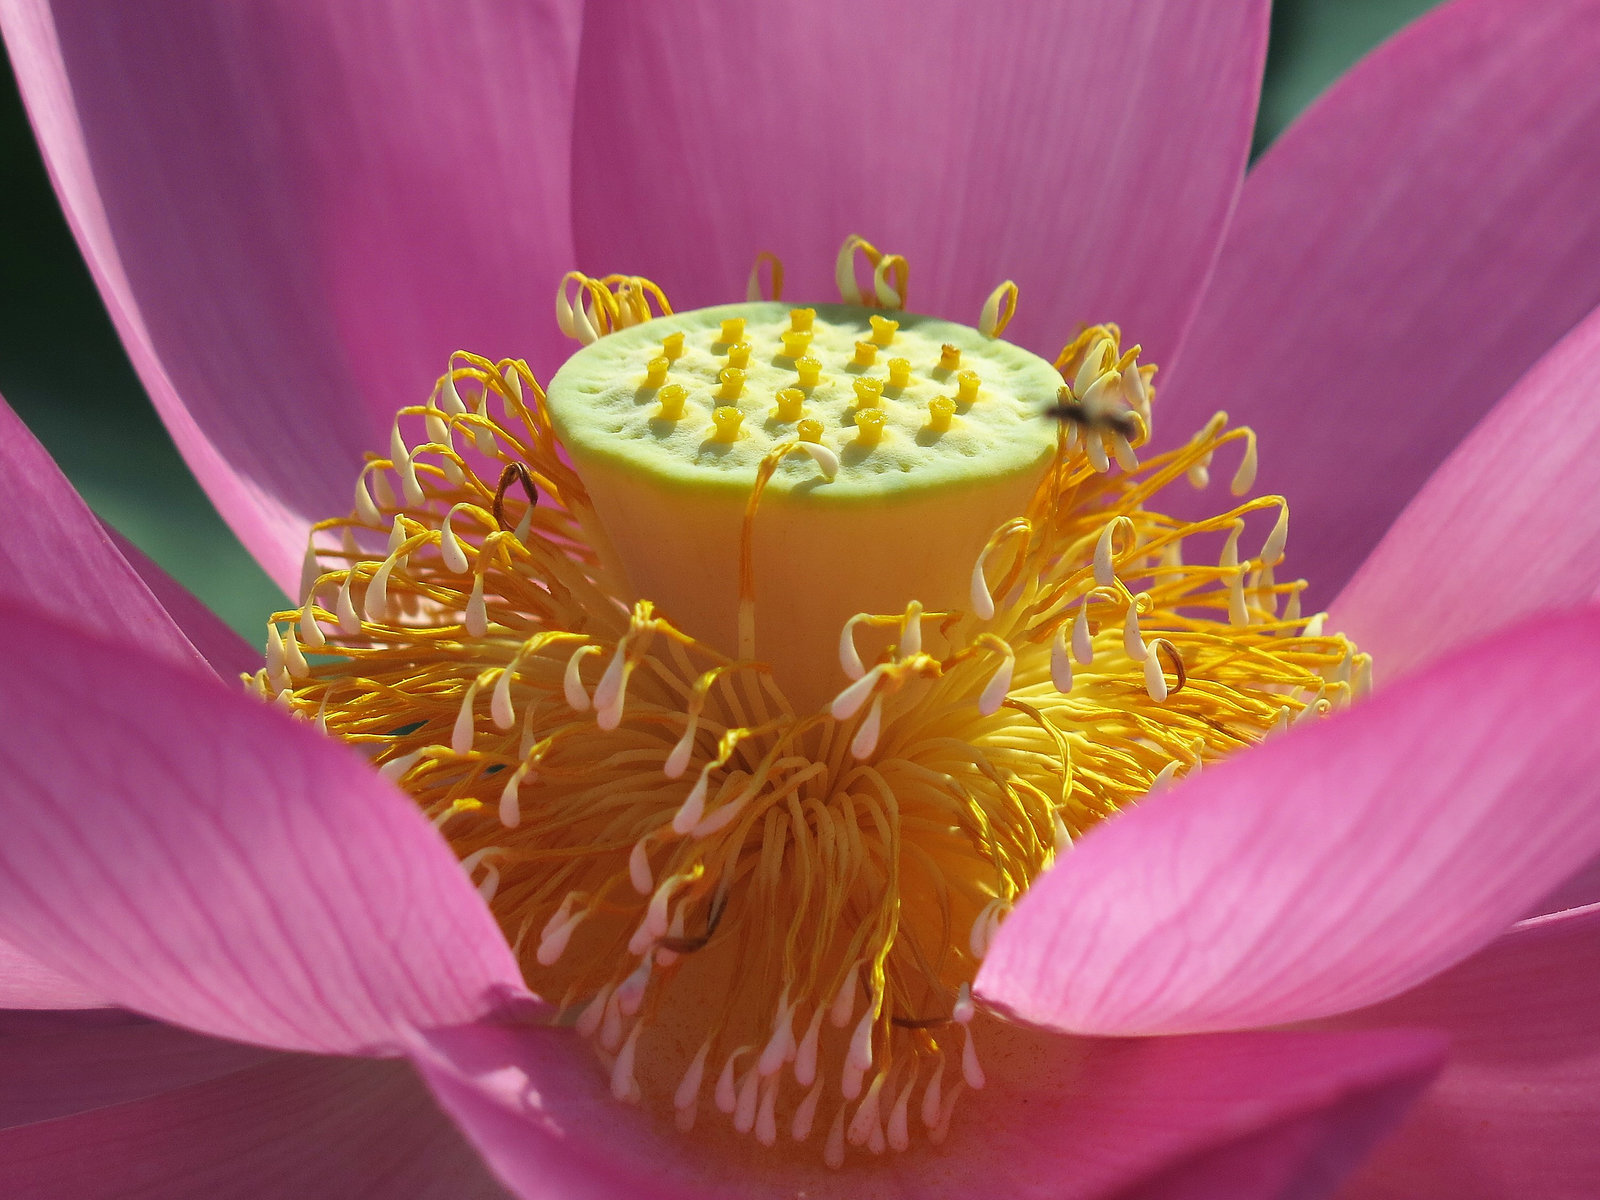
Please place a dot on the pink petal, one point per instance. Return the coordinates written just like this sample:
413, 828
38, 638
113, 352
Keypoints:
27, 983
1398, 259
1091, 152
56, 1075
186, 851
303, 1127
1061, 1117
57, 556
38, 1022
1330, 869
1516, 1109
296, 212
1577, 891
229, 654
1509, 525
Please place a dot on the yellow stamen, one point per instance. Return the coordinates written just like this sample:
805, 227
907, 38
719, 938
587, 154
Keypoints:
750, 901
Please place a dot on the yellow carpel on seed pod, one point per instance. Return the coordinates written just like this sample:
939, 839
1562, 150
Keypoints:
665, 498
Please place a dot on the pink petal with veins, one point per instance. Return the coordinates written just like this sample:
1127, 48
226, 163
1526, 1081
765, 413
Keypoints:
1509, 525
295, 211
1515, 1111
1331, 868
1089, 151
1269, 1114
291, 1126
186, 851
1399, 257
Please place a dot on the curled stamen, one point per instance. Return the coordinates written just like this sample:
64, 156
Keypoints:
1272, 550
400, 456
687, 1097
1082, 642
1245, 477
998, 310
310, 571
1060, 661
455, 559
572, 682
752, 291
1105, 549
1132, 639
512, 471
366, 511
999, 685
1163, 646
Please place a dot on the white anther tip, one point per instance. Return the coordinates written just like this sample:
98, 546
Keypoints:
1060, 661
849, 659
998, 687
866, 739
1155, 681
1082, 641
982, 601
825, 459
678, 761
848, 702
693, 807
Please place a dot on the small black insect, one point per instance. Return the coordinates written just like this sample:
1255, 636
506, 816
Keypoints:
1069, 410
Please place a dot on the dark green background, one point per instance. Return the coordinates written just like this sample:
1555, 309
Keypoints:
63, 370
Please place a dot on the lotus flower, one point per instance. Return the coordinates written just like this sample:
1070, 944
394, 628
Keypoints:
1378, 922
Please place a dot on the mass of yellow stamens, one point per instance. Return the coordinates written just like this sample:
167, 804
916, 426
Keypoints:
769, 911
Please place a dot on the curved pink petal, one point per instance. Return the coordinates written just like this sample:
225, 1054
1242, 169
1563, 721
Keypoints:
1091, 152
1515, 1111
1331, 868
28, 983
1509, 525
303, 1127
296, 211
189, 852
1064, 1118
1398, 258
229, 654
56, 1075
55, 554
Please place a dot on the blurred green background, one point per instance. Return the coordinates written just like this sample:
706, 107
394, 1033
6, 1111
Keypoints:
63, 370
